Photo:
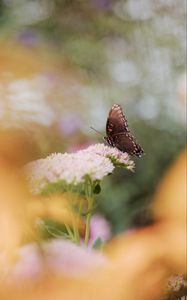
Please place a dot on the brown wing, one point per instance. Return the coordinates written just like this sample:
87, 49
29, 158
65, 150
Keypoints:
118, 134
116, 121
127, 143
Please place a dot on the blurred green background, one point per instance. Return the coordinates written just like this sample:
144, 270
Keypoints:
64, 63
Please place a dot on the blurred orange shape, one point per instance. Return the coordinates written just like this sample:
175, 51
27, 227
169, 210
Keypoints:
23, 61
170, 208
19, 211
58, 208
14, 221
170, 199
137, 264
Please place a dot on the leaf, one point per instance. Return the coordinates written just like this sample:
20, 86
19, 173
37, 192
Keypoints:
97, 189
97, 243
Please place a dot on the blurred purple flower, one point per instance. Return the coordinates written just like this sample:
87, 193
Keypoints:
102, 4
69, 123
27, 37
50, 76
71, 259
30, 264
79, 146
99, 227
57, 256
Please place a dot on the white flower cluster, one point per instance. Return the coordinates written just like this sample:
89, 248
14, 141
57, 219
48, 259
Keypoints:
117, 157
96, 162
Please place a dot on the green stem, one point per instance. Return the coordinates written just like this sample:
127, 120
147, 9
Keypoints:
78, 216
90, 199
75, 231
72, 233
88, 219
69, 231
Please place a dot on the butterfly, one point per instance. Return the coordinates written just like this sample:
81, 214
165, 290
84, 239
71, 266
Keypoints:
118, 134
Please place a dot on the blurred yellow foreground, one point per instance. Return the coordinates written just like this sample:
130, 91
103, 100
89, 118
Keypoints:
137, 264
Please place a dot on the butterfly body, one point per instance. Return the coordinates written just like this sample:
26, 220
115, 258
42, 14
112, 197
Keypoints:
118, 134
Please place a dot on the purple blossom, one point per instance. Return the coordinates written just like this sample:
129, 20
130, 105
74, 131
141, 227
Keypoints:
102, 4
69, 124
27, 37
99, 227
58, 256
65, 256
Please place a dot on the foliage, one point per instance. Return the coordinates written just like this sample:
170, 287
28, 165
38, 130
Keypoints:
130, 194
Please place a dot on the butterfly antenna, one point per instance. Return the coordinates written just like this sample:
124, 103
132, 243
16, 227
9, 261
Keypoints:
96, 131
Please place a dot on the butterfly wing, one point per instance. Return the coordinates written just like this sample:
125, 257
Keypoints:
118, 134
116, 121
125, 142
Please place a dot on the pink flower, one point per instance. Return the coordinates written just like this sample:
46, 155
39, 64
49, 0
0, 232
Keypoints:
69, 124
57, 256
95, 162
117, 157
67, 257
99, 228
